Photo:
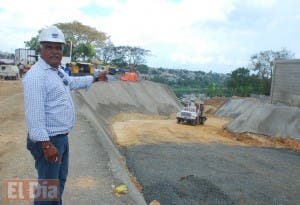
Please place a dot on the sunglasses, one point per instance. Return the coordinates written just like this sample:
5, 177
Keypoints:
61, 75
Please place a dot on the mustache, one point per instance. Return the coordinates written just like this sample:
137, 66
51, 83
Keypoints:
54, 56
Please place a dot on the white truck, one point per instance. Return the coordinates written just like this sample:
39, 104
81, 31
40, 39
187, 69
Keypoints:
25, 56
9, 72
192, 115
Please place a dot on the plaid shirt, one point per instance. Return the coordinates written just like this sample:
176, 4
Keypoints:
49, 109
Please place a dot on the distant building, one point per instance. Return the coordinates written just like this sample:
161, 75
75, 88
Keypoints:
6, 61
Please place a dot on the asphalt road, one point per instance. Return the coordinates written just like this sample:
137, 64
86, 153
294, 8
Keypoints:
215, 174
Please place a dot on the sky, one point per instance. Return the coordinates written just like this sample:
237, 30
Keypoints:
207, 35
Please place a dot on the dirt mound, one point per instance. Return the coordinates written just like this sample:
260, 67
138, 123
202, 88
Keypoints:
252, 116
211, 105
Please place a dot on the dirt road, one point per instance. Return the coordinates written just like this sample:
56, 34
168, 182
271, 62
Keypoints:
13, 154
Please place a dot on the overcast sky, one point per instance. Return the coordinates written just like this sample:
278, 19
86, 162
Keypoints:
217, 35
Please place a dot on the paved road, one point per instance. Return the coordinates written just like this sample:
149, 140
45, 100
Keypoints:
215, 174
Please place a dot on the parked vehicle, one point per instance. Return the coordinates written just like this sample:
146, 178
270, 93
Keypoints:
25, 56
9, 72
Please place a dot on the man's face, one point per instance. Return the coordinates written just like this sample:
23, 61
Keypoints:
52, 53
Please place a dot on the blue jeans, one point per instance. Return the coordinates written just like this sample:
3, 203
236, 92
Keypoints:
46, 170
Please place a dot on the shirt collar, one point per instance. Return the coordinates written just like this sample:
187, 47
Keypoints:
46, 66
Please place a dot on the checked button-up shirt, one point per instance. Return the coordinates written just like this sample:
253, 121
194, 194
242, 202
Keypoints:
48, 104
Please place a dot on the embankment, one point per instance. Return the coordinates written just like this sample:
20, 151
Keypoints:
251, 115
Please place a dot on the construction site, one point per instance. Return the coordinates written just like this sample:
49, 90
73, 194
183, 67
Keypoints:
246, 151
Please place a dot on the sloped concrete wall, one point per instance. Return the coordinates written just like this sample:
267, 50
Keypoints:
268, 119
110, 98
107, 99
250, 115
285, 83
232, 108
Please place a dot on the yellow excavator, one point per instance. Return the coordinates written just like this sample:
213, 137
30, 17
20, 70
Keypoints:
82, 68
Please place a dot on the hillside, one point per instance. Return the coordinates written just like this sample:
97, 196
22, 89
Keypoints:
185, 81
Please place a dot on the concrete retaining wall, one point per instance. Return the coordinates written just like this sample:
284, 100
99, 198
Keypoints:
286, 83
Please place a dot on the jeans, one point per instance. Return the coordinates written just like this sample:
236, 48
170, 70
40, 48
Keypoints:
46, 170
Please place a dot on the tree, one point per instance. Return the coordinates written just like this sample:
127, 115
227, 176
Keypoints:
142, 68
78, 34
136, 56
106, 53
241, 83
213, 90
263, 62
84, 52
33, 44
122, 55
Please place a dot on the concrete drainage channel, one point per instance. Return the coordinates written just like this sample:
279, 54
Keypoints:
117, 165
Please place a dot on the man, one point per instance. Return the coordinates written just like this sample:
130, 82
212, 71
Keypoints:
49, 109
67, 69
21, 68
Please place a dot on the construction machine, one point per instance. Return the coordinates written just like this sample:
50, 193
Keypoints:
82, 68
192, 114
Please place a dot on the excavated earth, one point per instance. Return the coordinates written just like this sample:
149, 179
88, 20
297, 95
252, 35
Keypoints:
183, 164
172, 163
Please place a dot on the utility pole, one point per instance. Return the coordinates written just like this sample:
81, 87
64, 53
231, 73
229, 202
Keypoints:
70, 50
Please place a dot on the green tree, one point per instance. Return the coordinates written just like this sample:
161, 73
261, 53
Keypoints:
77, 34
241, 83
105, 53
32, 44
136, 56
263, 64
213, 90
142, 68
84, 52
122, 55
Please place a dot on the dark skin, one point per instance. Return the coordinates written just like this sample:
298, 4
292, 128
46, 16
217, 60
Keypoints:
52, 53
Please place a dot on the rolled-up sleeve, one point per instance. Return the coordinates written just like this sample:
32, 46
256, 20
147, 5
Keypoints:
34, 105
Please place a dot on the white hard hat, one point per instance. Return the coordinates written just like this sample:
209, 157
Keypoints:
52, 34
